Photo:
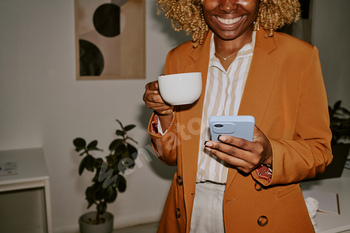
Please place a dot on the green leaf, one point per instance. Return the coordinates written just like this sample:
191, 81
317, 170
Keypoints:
121, 125
115, 144
90, 204
125, 155
116, 169
132, 151
345, 111
98, 163
121, 183
111, 194
88, 163
81, 167
110, 159
120, 132
98, 192
96, 176
79, 142
129, 127
89, 193
92, 145
336, 105
120, 149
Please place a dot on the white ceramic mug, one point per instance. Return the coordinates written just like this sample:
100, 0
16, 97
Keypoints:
178, 89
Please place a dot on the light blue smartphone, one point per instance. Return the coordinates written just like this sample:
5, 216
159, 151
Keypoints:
237, 126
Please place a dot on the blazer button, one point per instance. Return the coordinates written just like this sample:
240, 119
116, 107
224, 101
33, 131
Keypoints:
179, 180
177, 213
258, 187
262, 221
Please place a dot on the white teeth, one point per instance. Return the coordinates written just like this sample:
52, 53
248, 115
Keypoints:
229, 21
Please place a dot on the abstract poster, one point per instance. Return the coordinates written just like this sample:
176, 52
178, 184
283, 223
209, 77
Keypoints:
110, 39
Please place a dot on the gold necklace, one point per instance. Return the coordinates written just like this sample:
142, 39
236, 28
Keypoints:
225, 58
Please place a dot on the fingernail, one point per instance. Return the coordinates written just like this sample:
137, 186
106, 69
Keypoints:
222, 138
208, 144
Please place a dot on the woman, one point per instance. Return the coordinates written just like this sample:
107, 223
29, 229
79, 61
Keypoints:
248, 69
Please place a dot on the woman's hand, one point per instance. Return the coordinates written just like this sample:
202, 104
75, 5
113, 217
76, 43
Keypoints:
154, 101
246, 156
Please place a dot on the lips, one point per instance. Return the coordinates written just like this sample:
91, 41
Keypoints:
229, 21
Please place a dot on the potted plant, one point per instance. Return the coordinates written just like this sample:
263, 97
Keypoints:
339, 123
340, 127
107, 180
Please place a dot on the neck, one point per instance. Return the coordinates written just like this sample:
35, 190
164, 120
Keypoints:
227, 47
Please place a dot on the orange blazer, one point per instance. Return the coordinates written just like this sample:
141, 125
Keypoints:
285, 93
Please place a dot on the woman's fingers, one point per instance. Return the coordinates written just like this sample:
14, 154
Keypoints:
154, 101
242, 154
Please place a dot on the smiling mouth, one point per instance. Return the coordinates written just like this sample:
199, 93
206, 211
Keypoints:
229, 21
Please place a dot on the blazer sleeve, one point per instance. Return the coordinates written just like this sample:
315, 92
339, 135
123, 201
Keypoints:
309, 152
165, 146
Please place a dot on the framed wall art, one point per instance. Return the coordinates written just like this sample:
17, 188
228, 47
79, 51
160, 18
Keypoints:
110, 39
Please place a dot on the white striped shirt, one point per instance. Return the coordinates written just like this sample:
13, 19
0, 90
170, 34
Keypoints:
223, 96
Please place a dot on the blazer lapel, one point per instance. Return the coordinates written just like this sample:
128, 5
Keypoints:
200, 57
259, 84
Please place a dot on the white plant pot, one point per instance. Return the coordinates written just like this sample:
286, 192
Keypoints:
86, 227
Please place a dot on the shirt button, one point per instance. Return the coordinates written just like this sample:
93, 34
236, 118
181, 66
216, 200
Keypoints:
179, 180
262, 221
258, 187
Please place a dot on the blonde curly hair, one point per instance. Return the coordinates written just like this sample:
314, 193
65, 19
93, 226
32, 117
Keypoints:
187, 15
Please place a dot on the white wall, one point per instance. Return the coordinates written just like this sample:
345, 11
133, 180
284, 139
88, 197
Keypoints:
42, 105
331, 34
